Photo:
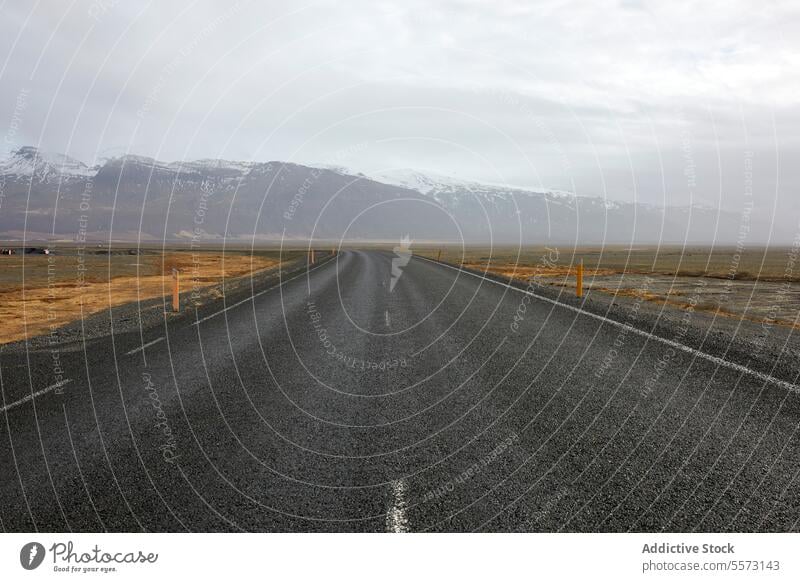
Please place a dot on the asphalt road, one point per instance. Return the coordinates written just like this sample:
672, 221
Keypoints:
338, 402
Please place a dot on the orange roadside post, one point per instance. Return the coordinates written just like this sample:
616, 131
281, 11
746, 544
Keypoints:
579, 280
176, 298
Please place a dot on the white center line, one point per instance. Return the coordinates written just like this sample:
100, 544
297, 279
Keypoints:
147, 345
30, 397
237, 304
386, 315
678, 346
396, 520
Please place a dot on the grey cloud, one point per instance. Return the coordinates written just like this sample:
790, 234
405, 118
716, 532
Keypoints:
596, 97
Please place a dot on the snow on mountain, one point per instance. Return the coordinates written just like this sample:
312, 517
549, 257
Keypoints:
424, 183
432, 183
46, 193
336, 168
505, 198
213, 164
31, 162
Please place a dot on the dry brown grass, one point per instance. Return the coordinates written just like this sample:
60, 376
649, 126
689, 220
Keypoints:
38, 303
757, 265
526, 272
720, 262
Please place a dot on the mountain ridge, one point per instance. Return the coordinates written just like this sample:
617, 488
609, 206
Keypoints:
215, 198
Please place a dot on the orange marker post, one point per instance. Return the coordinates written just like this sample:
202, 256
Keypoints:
311, 257
579, 280
176, 298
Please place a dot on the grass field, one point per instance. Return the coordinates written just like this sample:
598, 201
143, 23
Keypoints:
759, 284
41, 292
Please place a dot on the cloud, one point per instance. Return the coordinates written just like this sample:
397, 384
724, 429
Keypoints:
597, 97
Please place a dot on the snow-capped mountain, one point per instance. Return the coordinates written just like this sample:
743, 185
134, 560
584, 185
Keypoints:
520, 210
29, 162
445, 189
139, 197
424, 182
434, 183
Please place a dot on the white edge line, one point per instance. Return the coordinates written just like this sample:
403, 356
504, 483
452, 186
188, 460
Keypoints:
237, 304
142, 347
714, 359
30, 397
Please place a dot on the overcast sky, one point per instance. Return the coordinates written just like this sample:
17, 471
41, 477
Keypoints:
633, 100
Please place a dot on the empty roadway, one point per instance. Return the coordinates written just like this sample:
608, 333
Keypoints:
336, 402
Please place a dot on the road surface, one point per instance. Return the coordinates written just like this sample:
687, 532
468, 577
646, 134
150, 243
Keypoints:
342, 400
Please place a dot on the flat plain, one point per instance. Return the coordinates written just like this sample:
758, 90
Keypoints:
759, 284
41, 292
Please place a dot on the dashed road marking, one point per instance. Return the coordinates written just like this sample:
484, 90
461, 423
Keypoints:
678, 346
30, 397
386, 316
142, 347
396, 520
